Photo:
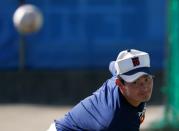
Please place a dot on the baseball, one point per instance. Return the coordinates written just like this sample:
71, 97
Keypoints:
27, 19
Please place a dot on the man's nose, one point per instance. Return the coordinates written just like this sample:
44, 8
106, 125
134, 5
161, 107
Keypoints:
143, 85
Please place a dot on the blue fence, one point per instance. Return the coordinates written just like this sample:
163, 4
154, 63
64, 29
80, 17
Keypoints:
85, 33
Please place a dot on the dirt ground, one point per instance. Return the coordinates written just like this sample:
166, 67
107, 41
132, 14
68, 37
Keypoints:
38, 118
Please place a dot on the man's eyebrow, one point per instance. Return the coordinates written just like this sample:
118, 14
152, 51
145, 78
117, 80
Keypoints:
145, 75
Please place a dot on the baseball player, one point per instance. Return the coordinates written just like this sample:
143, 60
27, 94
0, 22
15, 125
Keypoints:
119, 104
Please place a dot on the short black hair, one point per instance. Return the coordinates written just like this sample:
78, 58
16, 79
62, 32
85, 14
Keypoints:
122, 81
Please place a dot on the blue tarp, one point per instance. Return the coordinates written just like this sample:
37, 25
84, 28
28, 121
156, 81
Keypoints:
84, 33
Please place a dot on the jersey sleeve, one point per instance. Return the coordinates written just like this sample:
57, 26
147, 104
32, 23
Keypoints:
93, 113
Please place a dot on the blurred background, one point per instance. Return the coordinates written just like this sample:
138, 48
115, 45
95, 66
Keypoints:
68, 58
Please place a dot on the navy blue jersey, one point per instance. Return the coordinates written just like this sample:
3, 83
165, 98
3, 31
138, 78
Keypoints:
105, 109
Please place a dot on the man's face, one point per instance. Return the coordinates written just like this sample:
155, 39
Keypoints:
139, 90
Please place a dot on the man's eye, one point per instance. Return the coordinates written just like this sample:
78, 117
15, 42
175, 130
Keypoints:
135, 82
146, 79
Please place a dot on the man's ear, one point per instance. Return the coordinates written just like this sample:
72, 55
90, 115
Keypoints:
120, 85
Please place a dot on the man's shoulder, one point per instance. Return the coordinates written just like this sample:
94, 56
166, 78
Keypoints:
107, 95
112, 82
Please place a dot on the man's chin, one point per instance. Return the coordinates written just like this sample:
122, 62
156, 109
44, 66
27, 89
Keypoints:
146, 98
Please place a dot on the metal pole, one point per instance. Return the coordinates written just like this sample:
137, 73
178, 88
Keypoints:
22, 53
172, 112
22, 46
170, 120
22, 2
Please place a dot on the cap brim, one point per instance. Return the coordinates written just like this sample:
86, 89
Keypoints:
133, 75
